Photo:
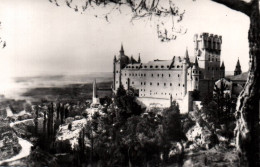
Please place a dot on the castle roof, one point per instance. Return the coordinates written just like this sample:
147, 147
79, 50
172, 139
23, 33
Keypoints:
157, 64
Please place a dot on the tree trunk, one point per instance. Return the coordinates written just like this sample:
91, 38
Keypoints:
247, 111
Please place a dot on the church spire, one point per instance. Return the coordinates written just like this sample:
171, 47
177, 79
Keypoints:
238, 70
94, 89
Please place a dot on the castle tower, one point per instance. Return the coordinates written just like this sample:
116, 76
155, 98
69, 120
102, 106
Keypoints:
195, 75
238, 70
222, 70
119, 64
185, 64
208, 51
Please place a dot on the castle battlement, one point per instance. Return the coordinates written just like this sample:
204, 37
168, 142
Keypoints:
208, 41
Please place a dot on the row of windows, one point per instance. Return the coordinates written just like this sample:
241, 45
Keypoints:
155, 93
151, 66
158, 84
158, 75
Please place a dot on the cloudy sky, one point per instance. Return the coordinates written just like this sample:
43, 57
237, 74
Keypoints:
45, 39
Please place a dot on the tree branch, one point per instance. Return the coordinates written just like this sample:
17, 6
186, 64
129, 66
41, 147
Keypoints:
239, 5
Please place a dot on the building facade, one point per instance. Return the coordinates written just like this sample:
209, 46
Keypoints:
175, 78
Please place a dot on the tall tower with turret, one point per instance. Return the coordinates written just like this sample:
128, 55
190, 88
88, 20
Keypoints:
238, 70
207, 52
118, 64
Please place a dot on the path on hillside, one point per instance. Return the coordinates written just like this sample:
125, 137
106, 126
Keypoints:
24, 152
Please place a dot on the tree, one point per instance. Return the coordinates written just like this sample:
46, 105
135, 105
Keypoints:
247, 110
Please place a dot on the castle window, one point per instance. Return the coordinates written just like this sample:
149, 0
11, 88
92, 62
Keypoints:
178, 66
141, 89
145, 66
196, 79
179, 84
129, 74
170, 84
158, 75
141, 66
151, 66
116, 81
141, 75
169, 75
132, 66
178, 75
151, 83
125, 74
164, 84
162, 66
132, 82
173, 66
162, 75
156, 66
141, 83
168, 66
135, 74
116, 71
144, 90
183, 85
125, 82
144, 74
152, 75
144, 83
188, 73
158, 84
136, 66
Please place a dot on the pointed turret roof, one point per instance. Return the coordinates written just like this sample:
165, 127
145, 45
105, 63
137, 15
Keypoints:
196, 62
187, 54
238, 63
122, 48
222, 65
139, 58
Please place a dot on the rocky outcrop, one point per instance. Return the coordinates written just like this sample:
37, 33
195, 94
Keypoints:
9, 145
201, 137
66, 135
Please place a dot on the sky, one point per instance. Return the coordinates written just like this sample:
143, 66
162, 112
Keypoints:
45, 39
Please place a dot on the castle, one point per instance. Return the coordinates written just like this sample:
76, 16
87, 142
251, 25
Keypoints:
173, 79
